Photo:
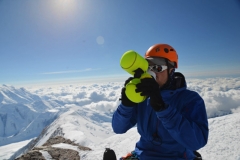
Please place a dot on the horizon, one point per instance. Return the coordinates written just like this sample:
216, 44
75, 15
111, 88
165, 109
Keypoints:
93, 80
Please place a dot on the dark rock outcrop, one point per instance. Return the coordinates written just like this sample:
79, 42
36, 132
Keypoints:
55, 152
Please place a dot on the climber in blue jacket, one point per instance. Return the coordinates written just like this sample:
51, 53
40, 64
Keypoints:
172, 121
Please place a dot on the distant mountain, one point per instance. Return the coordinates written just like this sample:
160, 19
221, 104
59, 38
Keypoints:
23, 115
10, 94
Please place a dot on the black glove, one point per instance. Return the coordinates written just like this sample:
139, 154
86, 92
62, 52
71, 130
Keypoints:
150, 88
138, 72
125, 101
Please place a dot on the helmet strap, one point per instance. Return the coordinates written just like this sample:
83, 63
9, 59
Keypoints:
169, 83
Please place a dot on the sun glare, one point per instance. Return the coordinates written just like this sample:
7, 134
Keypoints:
64, 8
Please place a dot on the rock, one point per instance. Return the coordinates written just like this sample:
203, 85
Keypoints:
63, 154
59, 139
32, 155
40, 148
55, 152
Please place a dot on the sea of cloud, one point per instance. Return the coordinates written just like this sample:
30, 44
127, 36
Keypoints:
221, 95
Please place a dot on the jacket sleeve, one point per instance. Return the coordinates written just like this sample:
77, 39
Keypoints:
190, 125
124, 118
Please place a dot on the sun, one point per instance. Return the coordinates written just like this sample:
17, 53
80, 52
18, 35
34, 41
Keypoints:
63, 8
65, 5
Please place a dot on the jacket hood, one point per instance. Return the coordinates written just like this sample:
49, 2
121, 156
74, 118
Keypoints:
178, 85
179, 80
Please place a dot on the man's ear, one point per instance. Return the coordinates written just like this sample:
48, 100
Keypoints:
170, 70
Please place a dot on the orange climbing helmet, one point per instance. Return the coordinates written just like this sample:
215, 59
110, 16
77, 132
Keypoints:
163, 51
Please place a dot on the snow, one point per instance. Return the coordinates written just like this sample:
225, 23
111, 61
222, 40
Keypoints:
53, 110
86, 112
78, 127
224, 138
8, 150
46, 155
223, 143
68, 146
23, 115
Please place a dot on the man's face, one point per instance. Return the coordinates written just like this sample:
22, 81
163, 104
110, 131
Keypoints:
161, 77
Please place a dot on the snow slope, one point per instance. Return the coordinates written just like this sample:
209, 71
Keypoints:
224, 138
8, 150
23, 115
223, 141
77, 125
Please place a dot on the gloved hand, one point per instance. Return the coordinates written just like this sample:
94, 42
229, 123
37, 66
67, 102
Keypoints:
150, 88
125, 101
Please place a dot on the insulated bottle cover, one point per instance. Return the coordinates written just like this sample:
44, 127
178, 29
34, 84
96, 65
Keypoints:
131, 61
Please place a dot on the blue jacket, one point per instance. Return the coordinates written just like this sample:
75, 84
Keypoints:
172, 134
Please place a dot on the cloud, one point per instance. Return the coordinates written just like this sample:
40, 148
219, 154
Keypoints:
72, 71
104, 106
220, 103
221, 95
81, 95
97, 96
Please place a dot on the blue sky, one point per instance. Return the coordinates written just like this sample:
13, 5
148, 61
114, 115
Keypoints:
74, 40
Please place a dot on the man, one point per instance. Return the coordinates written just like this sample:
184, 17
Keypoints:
172, 121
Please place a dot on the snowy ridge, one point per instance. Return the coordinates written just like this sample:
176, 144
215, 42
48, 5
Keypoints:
22, 114
77, 128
